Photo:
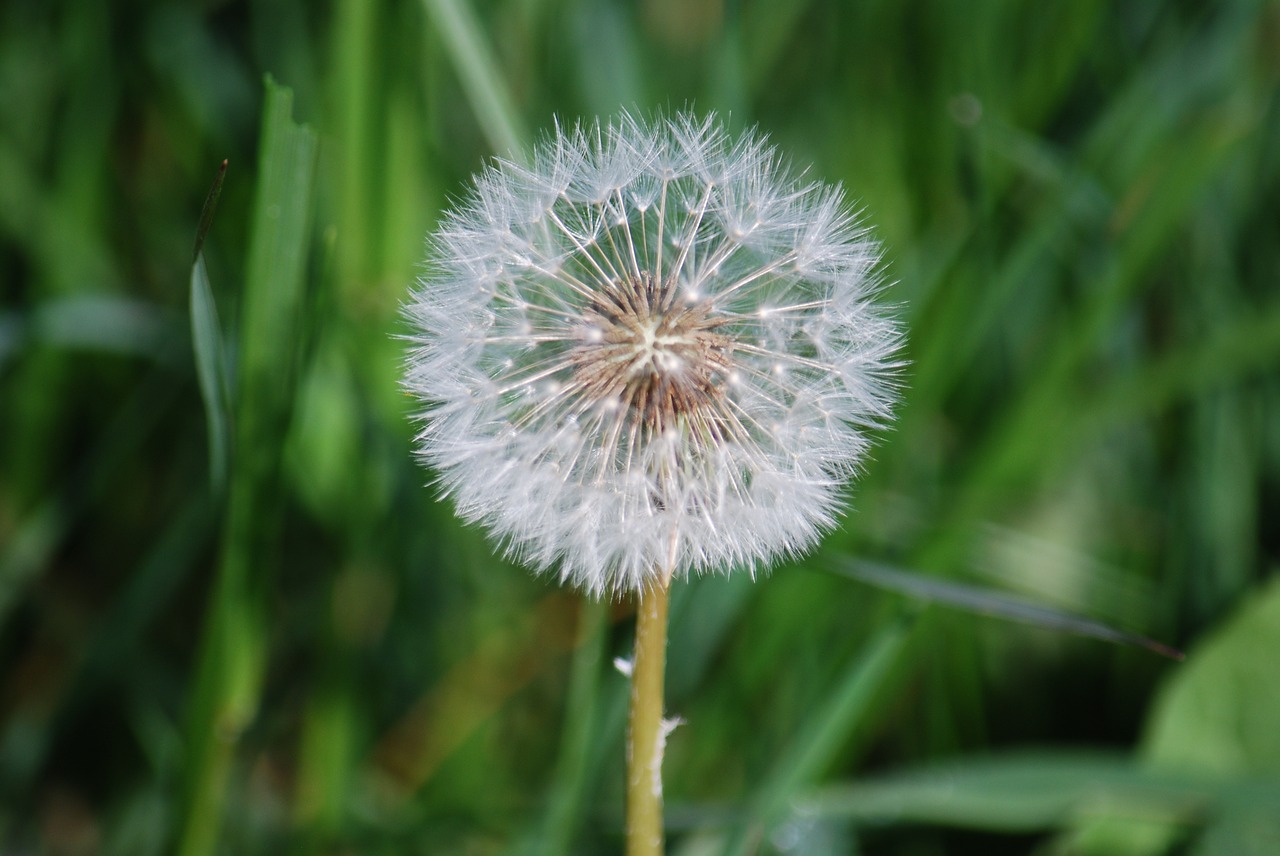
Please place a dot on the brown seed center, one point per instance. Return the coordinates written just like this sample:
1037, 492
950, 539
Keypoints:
646, 351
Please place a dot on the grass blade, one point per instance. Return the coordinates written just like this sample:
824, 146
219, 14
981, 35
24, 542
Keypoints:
478, 71
211, 371
579, 736
819, 738
234, 649
986, 602
206, 213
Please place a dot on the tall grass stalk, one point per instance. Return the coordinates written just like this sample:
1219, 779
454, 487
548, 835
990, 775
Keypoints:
234, 651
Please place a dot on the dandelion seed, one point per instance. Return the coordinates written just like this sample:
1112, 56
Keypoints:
650, 352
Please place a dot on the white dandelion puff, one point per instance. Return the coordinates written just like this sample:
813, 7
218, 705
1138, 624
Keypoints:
650, 352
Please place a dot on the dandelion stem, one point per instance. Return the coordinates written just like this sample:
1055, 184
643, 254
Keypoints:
646, 731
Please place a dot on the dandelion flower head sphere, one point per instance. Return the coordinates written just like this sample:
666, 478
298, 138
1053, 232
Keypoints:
652, 351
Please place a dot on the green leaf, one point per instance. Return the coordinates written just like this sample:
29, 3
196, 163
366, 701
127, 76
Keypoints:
1216, 717
1035, 791
1221, 711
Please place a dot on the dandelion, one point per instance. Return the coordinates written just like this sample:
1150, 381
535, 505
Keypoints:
650, 352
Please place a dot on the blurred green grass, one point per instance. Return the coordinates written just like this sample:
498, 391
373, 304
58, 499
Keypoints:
1079, 206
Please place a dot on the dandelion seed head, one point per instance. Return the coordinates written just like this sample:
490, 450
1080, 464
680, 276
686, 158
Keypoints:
650, 351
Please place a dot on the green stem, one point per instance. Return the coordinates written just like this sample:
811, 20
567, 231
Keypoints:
646, 734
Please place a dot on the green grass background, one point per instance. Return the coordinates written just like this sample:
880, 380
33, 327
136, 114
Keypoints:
234, 618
